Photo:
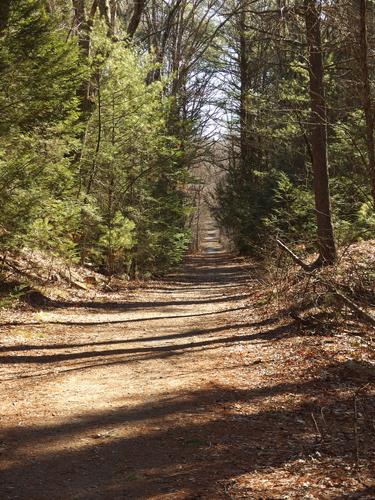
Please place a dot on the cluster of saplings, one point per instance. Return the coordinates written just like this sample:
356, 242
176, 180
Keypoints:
89, 166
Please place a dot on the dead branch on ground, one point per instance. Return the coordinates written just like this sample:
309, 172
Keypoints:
359, 312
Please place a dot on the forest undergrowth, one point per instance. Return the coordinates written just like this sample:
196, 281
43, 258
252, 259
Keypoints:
332, 298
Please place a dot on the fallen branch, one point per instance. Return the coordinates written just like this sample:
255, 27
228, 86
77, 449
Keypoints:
366, 317
295, 257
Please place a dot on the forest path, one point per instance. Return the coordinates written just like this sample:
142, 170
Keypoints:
127, 399
176, 390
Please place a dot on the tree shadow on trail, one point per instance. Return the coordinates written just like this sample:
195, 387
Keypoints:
154, 351
193, 443
147, 304
121, 321
153, 338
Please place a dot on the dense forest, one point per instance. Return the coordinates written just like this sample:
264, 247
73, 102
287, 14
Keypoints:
301, 148
108, 109
187, 249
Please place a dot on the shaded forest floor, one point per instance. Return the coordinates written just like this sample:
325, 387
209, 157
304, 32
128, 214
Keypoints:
184, 389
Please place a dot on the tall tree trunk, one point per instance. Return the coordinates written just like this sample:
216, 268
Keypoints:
107, 11
81, 26
84, 23
246, 149
113, 7
139, 7
366, 91
243, 86
4, 13
326, 240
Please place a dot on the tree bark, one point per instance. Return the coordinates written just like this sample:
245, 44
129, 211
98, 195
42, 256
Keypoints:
4, 13
105, 13
366, 91
245, 88
139, 7
81, 25
326, 240
84, 23
113, 6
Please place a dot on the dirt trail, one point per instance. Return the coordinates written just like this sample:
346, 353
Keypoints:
172, 392
120, 400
